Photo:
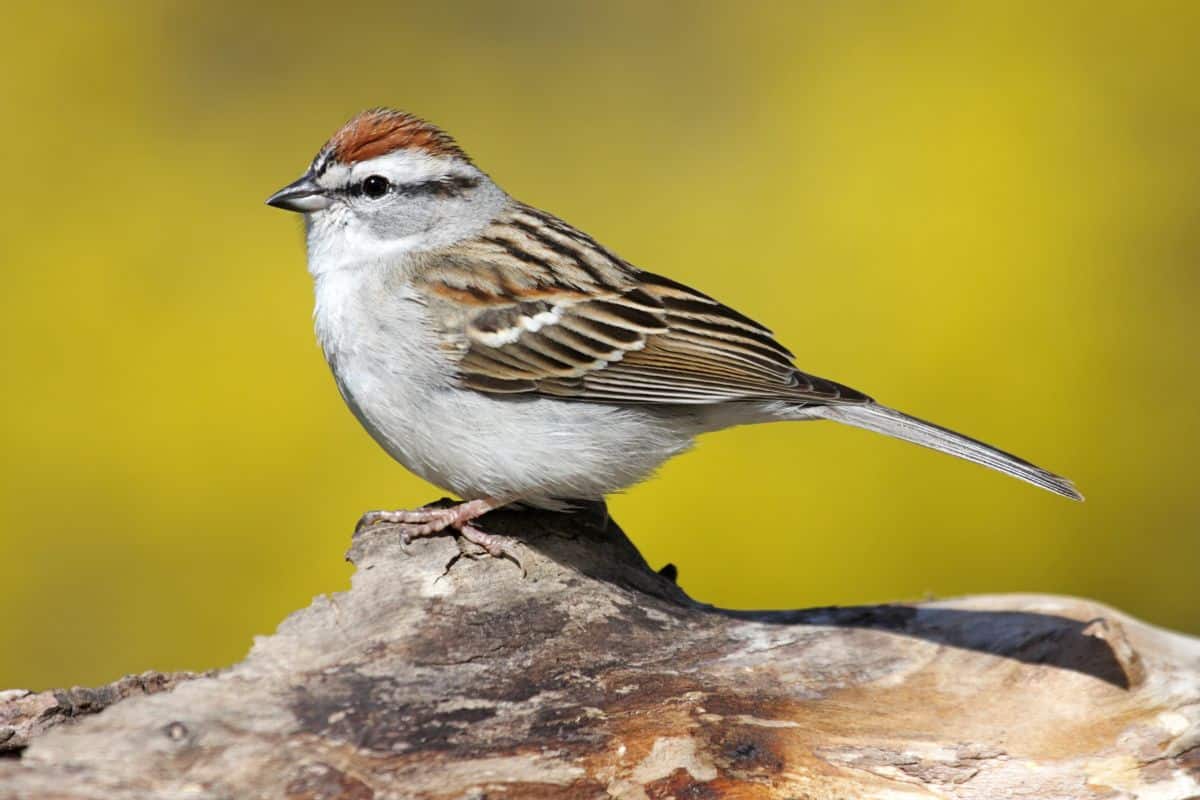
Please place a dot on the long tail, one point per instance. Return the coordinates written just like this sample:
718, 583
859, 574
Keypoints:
888, 421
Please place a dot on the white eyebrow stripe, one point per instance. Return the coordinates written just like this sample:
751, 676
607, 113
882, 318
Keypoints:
405, 166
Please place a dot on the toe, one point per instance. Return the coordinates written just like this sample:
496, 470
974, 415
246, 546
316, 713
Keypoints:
367, 520
437, 517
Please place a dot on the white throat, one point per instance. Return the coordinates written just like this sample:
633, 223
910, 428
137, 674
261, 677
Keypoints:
335, 246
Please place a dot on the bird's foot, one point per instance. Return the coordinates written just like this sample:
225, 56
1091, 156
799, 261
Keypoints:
492, 544
436, 520
417, 522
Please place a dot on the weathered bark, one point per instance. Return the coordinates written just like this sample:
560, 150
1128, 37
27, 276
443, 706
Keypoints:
588, 675
25, 715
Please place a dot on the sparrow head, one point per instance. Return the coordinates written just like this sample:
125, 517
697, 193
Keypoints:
385, 183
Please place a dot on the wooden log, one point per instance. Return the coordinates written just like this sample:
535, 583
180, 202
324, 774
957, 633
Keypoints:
582, 673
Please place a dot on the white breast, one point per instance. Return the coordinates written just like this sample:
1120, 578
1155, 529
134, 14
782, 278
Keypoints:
401, 386
383, 354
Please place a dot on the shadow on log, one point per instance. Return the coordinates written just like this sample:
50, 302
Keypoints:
585, 674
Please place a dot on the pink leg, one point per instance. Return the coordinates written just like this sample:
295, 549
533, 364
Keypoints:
493, 544
433, 521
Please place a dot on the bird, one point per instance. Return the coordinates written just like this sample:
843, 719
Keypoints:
504, 355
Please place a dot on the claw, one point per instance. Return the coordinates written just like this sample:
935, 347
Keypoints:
495, 546
431, 521
442, 517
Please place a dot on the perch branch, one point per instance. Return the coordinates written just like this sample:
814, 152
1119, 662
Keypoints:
586, 675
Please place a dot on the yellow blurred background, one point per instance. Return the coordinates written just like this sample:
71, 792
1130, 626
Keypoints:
985, 214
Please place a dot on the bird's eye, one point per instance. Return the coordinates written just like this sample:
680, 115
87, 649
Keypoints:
376, 186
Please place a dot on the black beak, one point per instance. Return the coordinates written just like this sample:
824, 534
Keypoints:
303, 195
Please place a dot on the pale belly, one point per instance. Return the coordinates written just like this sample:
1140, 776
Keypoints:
402, 389
539, 450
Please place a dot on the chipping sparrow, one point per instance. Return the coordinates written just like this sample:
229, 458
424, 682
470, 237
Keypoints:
502, 354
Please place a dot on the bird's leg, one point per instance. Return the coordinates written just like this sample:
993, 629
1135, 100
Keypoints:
428, 520
493, 544
431, 521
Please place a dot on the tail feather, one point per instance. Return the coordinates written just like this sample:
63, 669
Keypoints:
881, 419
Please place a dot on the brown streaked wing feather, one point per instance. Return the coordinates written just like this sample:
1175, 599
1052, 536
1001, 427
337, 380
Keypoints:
709, 353
549, 311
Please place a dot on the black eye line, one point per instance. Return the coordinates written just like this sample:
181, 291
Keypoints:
445, 186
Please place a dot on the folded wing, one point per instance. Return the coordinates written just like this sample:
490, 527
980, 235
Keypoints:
550, 311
